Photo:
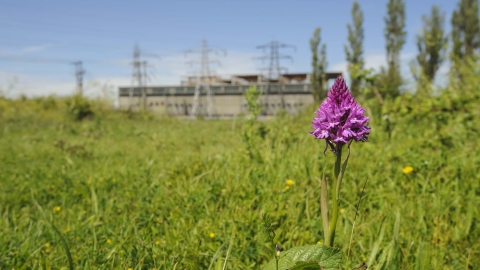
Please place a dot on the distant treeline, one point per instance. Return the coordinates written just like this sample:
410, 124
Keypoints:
434, 44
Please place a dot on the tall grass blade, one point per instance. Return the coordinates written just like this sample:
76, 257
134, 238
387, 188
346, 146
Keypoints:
215, 256
232, 238
62, 240
357, 207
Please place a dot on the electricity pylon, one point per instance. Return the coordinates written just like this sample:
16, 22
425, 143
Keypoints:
204, 76
274, 69
79, 72
139, 75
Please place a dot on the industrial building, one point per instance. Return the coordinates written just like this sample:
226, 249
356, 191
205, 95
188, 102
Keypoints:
290, 92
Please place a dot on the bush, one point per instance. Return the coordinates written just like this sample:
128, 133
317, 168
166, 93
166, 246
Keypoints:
79, 107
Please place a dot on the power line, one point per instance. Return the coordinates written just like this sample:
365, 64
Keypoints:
28, 59
64, 31
62, 44
203, 77
67, 29
43, 60
274, 69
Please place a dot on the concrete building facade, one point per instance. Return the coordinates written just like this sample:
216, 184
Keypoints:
290, 92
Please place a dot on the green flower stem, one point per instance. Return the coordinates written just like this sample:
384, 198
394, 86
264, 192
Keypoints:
324, 208
333, 222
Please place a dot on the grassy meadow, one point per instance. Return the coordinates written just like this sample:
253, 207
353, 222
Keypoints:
123, 190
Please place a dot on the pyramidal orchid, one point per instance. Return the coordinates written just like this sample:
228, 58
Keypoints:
339, 121
340, 118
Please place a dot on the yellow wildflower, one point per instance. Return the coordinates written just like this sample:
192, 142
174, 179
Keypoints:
290, 182
157, 242
57, 208
287, 187
109, 241
211, 235
364, 258
407, 170
342, 211
47, 245
130, 268
319, 242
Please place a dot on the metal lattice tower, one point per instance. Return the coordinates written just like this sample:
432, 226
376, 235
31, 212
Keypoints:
79, 72
204, 75
139, 76
274, 69
145, 78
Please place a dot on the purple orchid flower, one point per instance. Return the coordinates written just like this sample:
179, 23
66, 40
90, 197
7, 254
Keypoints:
340, 118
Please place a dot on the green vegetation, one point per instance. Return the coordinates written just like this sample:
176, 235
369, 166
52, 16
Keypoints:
465, 30
120, 190
431, 44
390, 78
354, 52
87, 187
319, 66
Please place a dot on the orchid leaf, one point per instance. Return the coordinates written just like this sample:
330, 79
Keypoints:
311, 257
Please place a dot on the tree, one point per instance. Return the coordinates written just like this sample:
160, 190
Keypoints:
354, 52
432, 44
465, 30
390, 79
319, 66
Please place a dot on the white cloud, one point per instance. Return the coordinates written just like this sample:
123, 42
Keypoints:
14, 85
441, 78
376, 61
172, 69
20, 51
36, 48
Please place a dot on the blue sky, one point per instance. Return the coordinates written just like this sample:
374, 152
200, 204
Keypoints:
40, 38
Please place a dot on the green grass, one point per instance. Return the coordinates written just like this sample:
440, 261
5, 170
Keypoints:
140, 192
